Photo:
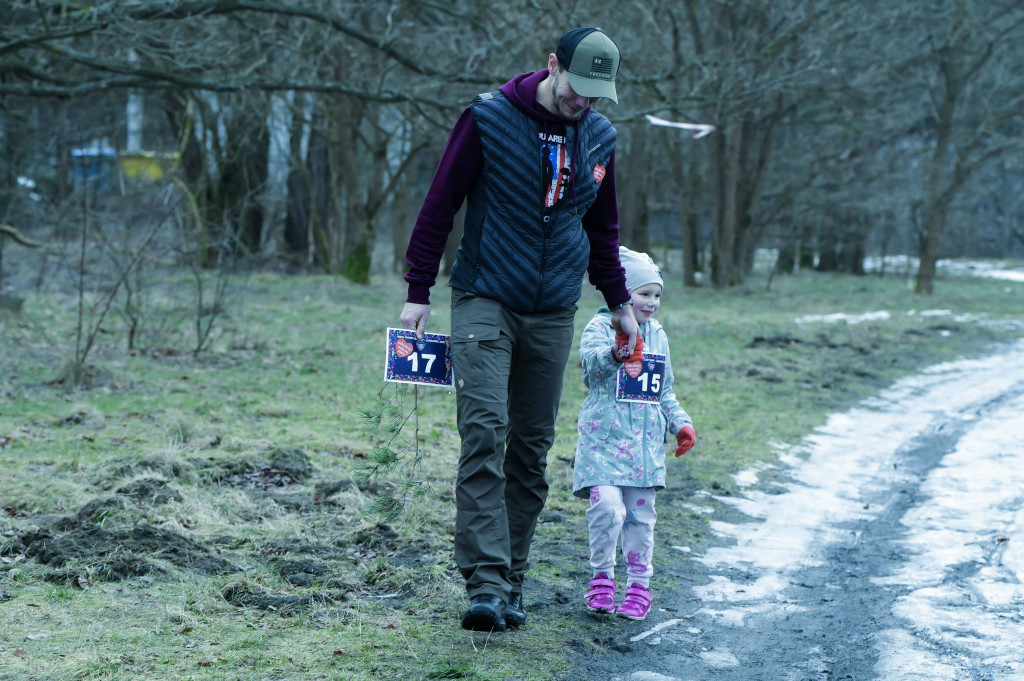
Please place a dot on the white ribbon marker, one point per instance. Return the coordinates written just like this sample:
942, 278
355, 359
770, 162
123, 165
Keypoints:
701, 128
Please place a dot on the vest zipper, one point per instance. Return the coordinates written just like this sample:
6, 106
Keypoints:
543, 259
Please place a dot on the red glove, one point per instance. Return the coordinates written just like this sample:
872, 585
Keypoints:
686, 438
620, 349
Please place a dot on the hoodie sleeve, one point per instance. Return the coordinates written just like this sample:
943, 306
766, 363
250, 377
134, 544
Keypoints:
602, 226
456, 174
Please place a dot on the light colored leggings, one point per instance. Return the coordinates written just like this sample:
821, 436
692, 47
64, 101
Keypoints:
627, 512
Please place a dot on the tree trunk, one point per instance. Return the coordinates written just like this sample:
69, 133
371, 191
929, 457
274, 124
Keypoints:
62, 147
310, 201
930, 241
634, 214
935, 212
828, 244
355, 240
193, 164
250, 186
938, 197
726, 161
753, 171
785, 263
688, 232
402, 220
409, 198
298, 218
685, 176
8, 175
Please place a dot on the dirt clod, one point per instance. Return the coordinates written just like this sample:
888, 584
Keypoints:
150, 490
250, 596
293, 462
118, 553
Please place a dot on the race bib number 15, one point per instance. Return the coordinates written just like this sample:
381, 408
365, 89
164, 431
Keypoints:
410, 360
641, 381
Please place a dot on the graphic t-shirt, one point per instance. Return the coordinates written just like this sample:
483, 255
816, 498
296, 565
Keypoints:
556, 153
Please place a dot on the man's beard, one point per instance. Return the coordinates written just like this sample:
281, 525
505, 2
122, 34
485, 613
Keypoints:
558, 103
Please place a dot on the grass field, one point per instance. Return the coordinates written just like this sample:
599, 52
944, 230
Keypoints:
202, 518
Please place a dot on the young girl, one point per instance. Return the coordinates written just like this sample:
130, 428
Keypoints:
620, 455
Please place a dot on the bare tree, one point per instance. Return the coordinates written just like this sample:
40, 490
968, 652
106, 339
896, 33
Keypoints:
829, 114
974, 95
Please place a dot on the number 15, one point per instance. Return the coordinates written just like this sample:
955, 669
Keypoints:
655, 382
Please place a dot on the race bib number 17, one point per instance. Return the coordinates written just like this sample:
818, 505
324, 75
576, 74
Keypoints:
641, 381
410, 360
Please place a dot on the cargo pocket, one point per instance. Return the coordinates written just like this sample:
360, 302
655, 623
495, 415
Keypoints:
480, 356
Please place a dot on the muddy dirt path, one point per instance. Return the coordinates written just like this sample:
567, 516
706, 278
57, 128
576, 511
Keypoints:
895, 551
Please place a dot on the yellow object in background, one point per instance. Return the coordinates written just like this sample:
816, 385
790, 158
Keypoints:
146, 165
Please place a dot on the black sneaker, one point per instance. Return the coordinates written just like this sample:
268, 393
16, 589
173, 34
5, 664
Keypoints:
486, 613
515, 613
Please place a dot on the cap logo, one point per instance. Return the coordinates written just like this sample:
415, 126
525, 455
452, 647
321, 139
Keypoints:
601, 67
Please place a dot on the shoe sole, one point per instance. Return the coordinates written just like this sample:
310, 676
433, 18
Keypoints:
631, 617
482, 623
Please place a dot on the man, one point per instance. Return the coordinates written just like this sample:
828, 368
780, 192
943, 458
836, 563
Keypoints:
537, 167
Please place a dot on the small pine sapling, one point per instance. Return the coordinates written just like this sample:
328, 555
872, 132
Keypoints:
399, 455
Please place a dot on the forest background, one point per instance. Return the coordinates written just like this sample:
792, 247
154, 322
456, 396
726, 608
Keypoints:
311, 130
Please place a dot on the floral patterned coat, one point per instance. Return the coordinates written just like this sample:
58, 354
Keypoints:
622, 443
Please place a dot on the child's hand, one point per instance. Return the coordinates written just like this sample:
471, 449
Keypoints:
686, 438
621, 349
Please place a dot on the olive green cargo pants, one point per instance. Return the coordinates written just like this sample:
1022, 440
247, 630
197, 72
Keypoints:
508, 370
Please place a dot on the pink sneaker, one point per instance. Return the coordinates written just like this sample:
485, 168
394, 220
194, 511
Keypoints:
637, 602
601, 597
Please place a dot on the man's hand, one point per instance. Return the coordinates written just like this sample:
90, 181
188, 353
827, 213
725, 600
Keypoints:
686, 438
625, 323
414, 317
621, 351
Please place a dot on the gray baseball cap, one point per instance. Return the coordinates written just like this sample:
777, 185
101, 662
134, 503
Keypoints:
592, 60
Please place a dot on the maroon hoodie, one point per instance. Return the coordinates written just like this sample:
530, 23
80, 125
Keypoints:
460, 166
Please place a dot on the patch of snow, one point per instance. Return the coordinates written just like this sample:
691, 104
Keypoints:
1008, 275
880, 315
982, 268
648, 676
719, 659
896, 646
663, 625
973, 500
746, 478
972, 516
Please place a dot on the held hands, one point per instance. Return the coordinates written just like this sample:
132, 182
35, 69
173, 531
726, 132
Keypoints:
685, 439
620, 351
624, 323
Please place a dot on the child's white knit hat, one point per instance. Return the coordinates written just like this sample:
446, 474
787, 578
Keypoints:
640, 269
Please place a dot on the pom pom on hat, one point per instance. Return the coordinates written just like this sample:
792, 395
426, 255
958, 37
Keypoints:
640, 269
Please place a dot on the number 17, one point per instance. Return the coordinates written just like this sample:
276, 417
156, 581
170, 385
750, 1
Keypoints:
414, 358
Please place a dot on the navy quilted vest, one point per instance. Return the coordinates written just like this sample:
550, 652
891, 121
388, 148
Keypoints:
512, 249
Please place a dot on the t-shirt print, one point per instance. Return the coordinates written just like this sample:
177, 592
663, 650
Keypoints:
557, 166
